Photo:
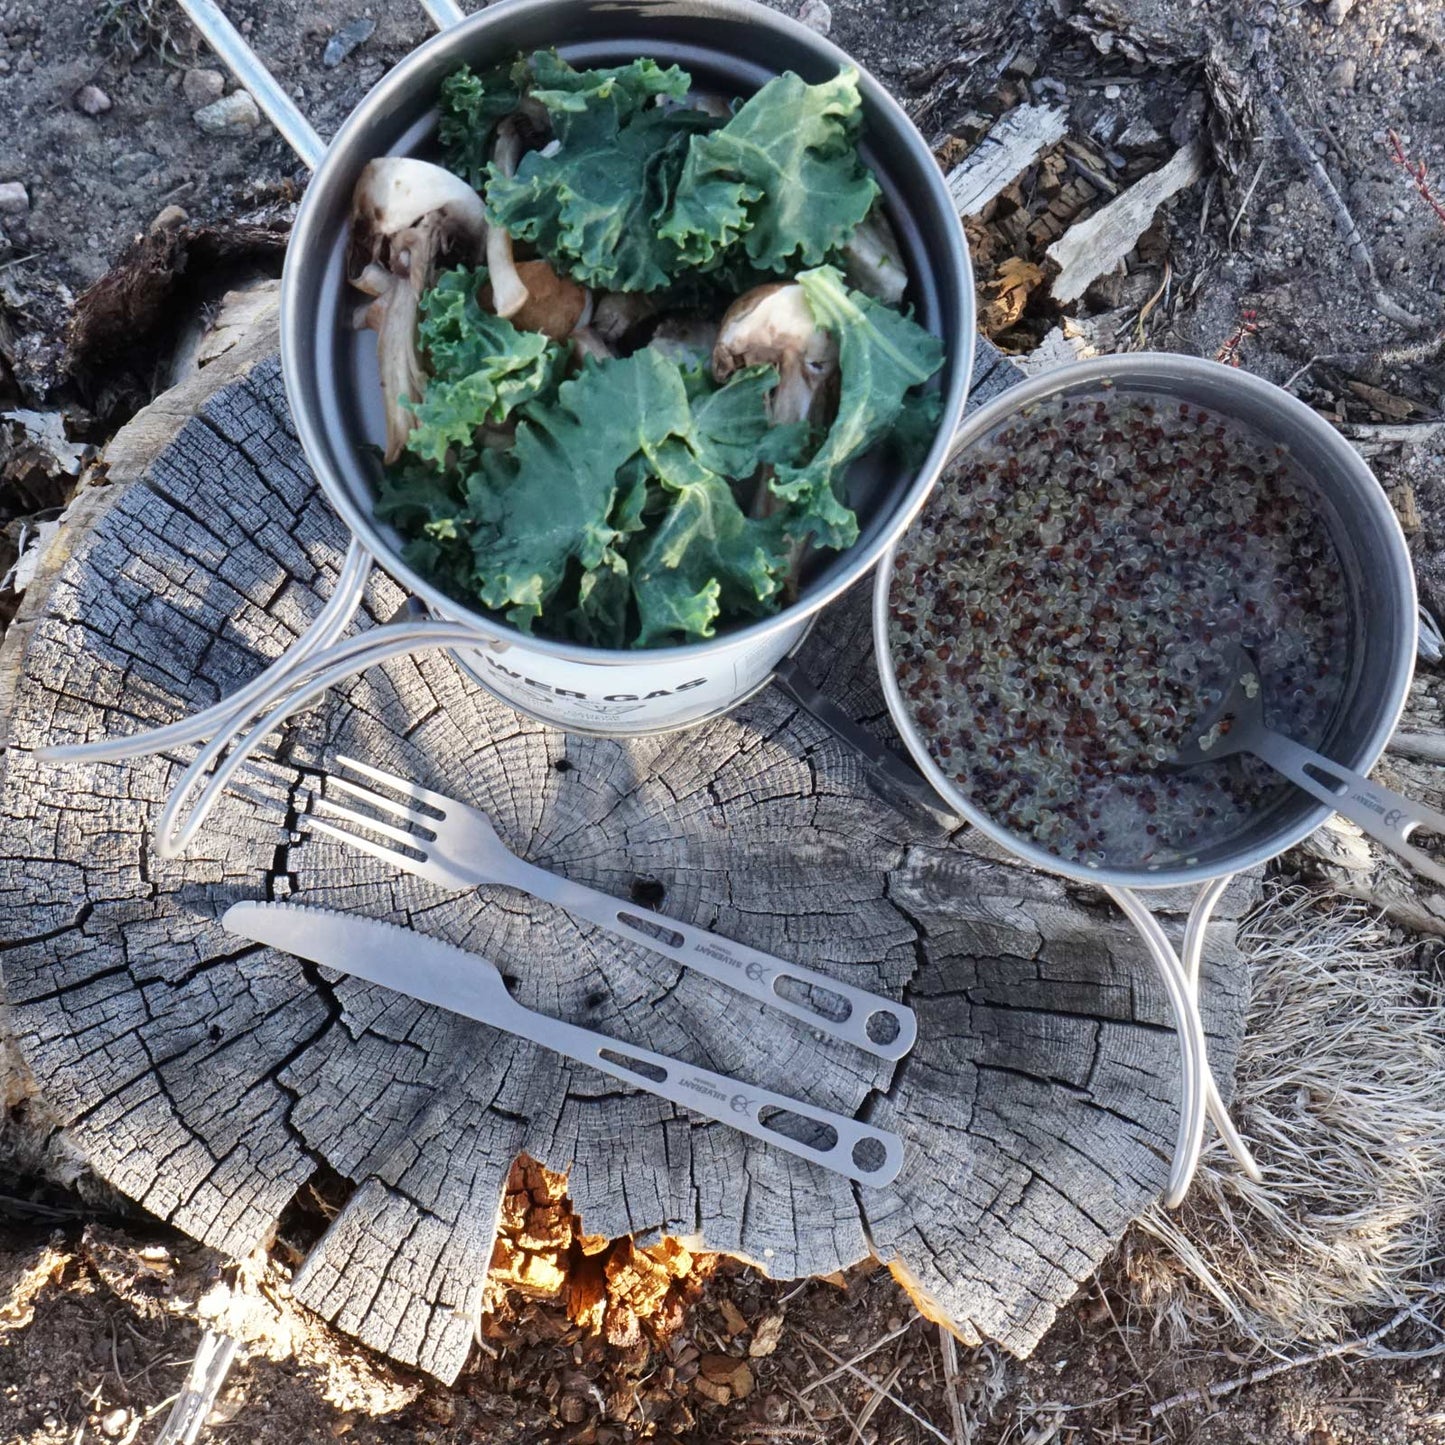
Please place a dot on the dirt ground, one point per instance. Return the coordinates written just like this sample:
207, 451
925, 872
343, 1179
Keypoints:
98, 1328
98, 1306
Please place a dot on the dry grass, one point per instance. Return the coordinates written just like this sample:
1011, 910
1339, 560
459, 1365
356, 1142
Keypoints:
1342, 1094
126, 30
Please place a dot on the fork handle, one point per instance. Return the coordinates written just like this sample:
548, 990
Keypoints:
1383, 814
856, 1150
875, 1024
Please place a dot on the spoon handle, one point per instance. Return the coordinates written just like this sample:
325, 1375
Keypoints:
1384, 815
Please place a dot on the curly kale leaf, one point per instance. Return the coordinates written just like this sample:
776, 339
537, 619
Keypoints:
588, 105
549, 502
482, 367
783, 176
471, 106
593, 207
731, 432
882, 355
707, 558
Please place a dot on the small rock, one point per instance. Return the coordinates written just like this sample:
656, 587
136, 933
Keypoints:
201, 87
92, 100
168, 220
134, 164
1112, 92
1336, 11
113, 1422
352, 34
1341, 78
817, 15
14, 199
234, 114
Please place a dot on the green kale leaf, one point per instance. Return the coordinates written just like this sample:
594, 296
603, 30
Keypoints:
549, 502
731, 431
593, 207
706, 558
482, 366
471, 106
881, 355
587, 105
783, 175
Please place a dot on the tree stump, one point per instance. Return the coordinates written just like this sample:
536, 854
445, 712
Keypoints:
210, 1080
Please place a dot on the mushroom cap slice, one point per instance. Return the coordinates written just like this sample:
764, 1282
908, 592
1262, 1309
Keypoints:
394, 194
773, 326
555, 305
407, 217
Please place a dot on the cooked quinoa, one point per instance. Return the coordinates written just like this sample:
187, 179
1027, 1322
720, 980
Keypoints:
1063, 612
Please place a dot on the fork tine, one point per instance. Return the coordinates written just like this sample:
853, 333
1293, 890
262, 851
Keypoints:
367, 845
387, 830
439, 801
376, 800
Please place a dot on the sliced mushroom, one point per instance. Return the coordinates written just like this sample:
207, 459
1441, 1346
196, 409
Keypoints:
874, 260
509, 291
408, 218
773, 326
586, 342
710, 102
619, 313
555, 305
688, 339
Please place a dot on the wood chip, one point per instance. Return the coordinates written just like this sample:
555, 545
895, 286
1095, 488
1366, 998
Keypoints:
1097, 245
1012, 285
1396, 408
1013, 144
732, 1317
766, 1336
1407, 508
718, 1394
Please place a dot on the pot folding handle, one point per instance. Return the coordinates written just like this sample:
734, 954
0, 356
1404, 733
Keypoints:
314, 664
251, 74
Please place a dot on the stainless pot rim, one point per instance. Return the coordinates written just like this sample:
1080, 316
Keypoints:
310, 236
1141, 366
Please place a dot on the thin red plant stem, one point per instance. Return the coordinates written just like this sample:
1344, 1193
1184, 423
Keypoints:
1418, 173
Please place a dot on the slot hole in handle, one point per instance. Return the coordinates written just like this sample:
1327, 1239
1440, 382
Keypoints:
651, 928
799, 1128
831, 1006
1337, 785
653, 1073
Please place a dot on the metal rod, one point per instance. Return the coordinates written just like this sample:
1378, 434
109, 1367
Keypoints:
444, 13
243, 62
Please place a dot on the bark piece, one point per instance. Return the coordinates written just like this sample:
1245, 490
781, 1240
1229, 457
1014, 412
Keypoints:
1097, 245
1013, 143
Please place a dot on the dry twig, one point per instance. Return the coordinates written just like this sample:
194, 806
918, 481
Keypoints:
948, 1348
1221, 1388
876, 1385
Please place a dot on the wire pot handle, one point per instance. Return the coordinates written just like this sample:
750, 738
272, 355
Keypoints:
251, 73
232, 729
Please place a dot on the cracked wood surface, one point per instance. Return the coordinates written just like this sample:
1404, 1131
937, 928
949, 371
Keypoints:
209, 1081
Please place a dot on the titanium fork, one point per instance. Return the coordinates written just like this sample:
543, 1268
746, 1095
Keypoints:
455, 846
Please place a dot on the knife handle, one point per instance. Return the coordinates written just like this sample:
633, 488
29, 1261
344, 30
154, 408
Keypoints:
877, 1025
834, 1141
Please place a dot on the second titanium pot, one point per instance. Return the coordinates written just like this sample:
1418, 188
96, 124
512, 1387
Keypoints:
1380, 590
730, 46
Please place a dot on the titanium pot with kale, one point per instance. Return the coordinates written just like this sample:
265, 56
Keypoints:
631, 338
